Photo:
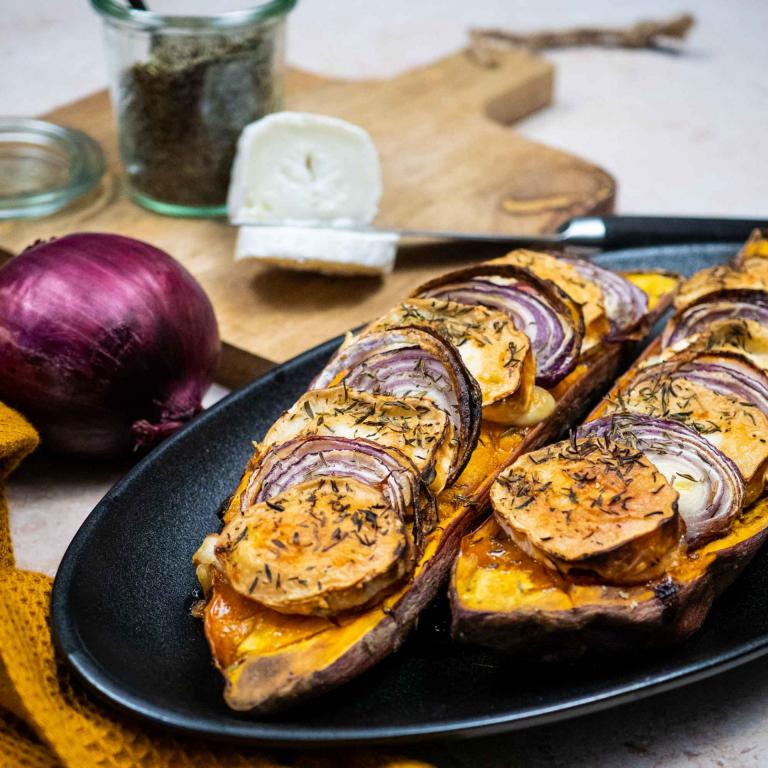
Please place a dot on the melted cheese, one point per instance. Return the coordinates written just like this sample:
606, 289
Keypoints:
498, 356
693, 491
738, 429
541, 408
206, 563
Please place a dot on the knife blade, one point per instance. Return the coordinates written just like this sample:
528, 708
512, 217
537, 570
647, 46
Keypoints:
601, 232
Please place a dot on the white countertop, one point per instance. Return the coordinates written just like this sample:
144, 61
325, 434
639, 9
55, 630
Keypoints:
682, 133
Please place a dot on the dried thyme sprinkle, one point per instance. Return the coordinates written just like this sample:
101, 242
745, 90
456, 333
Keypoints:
183, 108
240, 537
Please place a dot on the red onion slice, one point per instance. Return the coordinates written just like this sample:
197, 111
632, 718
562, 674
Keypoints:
545, 313
724, 374
413, 362
709, 484
497, 355
708, 284
724, 305
625, 304
311, 457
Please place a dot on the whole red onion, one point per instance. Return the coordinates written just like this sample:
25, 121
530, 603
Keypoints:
107, 344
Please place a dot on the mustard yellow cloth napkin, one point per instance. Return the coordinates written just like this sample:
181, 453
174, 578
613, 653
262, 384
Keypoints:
47, 722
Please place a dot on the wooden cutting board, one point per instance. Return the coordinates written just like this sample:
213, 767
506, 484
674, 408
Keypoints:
449, 161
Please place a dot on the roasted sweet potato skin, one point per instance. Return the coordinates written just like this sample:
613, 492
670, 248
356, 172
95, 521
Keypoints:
327, 655
523, 609
270, 660
553, 620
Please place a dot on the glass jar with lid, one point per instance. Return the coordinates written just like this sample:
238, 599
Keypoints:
183, 86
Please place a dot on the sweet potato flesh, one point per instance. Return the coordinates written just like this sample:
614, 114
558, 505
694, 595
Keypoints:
231, 620
755, 248
239, 629
494, 576
319, 547
582, 291
654, 284
505, 598
589, 505
236, 626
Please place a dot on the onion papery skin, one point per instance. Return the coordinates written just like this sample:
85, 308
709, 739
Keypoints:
107, 344
660, 439
540, 309
625, 304
724, 305
413, 361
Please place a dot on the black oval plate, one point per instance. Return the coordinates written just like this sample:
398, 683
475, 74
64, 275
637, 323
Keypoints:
123, 592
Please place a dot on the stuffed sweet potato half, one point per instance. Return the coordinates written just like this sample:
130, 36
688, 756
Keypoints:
622, 536
351, 510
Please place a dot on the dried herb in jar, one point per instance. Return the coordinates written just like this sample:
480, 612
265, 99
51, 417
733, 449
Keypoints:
182, 111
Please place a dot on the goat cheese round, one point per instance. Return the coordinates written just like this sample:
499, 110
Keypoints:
300, 168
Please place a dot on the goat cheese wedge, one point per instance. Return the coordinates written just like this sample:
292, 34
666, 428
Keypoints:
326, 250
293, 170
299, 168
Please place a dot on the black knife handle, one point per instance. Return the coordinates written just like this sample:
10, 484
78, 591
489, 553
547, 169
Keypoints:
628, 231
